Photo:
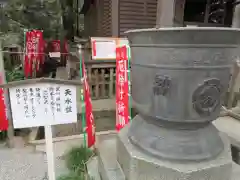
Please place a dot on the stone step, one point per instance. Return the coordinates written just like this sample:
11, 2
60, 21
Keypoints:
92, 167
108, 166
236, 172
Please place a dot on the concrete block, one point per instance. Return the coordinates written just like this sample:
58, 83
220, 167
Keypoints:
235, 172
16, 142
109, 169
139, 165
231, 127
92, 167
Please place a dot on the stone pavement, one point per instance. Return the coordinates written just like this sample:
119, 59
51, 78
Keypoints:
25, 164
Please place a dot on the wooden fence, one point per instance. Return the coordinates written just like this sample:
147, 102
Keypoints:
101, 76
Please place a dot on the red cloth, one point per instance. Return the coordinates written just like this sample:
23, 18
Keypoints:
39, 49
90, 126
34, 50
3, 111
122, 109
94, 51
56, 46
27, 55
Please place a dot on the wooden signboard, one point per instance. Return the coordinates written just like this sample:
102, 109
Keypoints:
43, 104
104, 48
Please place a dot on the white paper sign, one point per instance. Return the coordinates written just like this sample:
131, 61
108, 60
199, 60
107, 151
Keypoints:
43, 104
54, 54
103, 48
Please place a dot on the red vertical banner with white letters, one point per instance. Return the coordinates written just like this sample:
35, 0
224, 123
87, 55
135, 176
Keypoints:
39, 50
3, 110
28, 55
33, 54
90, 126
122, 94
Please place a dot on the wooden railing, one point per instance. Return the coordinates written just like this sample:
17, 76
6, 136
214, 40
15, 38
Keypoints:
101, 76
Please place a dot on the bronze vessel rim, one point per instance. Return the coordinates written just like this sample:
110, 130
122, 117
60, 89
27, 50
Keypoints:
189, 29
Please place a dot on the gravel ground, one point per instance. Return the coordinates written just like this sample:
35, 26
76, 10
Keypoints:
24, 164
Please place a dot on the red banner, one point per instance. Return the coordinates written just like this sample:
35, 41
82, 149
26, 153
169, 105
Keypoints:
34, 50
27, 57
56, 46
57, 51
3, 111
90, 126
94, 51
66, 47
65, 50
42, 57
122, 109
39, 55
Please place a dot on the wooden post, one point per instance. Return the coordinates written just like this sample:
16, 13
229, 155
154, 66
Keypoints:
236, 70
233, 83
170, 13
236, 17
115, 18
10, 132
50, 152
165, 13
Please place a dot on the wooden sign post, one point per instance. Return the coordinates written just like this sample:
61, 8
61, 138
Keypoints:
43, 102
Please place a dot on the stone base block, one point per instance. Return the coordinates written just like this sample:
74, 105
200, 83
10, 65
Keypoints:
16, 142
108, 167
139, 165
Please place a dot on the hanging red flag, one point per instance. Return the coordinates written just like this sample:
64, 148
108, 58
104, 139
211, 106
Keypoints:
56, 49
122, 109
94, 51
56, 45
39, 47
65, 51
33, 52
41, 54
66, 46
27, 56
3, 110
90, 126
44, 46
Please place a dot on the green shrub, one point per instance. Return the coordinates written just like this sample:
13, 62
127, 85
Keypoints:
3, 135
73, 176
76, 159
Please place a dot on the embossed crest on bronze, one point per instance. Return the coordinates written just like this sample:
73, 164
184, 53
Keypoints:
206, 98
161, 85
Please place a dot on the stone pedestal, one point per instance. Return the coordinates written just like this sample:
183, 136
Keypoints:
137, 164
173, 138
109, 168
